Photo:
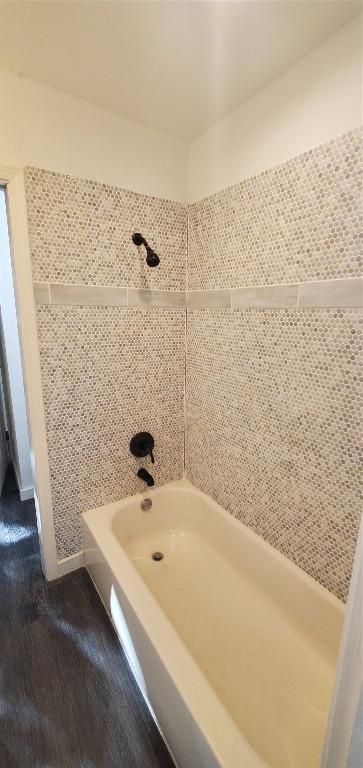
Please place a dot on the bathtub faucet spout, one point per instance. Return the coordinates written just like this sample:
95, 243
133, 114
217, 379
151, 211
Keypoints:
143, 474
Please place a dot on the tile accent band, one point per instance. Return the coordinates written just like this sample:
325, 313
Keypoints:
105, 296
345, 293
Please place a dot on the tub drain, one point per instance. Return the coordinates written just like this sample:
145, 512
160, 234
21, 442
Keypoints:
157, 556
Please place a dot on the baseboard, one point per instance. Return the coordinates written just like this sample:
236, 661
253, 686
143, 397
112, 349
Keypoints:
26, 493
71, 563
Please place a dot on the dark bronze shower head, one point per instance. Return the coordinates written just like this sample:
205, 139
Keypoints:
152, 258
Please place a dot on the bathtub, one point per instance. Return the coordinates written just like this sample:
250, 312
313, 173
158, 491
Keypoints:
233, 646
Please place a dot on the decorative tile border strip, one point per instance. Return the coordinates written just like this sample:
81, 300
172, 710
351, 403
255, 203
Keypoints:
345, 293
155, 298
41, 293
87, 295
332, 293
94, 295
218, 298
323, 294
266, 297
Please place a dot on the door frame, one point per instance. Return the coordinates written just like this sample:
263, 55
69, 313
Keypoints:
13, 180
5, 417
4, 426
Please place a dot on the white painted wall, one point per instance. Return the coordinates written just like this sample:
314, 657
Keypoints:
18, 423
50, 129
309, 104
314, 101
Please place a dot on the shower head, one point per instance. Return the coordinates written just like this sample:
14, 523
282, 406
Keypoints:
152, 258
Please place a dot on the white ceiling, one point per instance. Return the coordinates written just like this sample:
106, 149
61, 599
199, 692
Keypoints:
176, 66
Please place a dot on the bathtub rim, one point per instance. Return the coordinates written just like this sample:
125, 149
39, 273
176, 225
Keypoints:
184, 484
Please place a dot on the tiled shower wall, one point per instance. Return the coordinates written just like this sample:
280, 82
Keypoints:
273, 428
112, 356
272, 419
296, 222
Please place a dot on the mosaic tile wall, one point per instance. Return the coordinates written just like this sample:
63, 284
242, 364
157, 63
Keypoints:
272, 420
296, 222
272, 429
80, 233
107, 373
273, 426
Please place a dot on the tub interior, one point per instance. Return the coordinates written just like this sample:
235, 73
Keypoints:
264, 635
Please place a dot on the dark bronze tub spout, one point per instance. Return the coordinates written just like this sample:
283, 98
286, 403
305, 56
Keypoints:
143, 474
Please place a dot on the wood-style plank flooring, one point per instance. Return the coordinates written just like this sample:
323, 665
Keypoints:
67, 697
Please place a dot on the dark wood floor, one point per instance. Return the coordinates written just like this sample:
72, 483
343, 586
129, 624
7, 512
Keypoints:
67, 697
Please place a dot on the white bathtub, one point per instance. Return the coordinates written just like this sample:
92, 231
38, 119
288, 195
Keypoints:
233, 646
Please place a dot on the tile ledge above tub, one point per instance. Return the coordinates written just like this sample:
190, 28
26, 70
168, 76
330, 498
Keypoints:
344, 293
108, 296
